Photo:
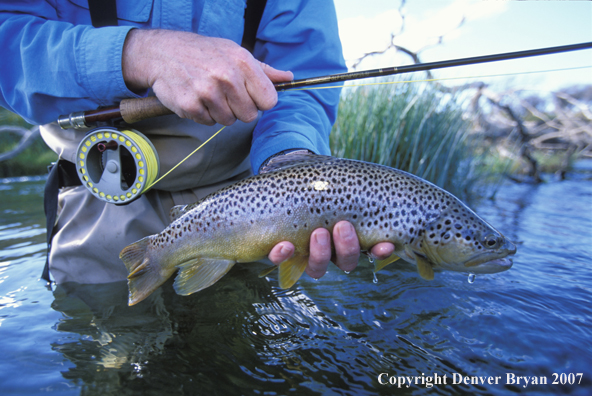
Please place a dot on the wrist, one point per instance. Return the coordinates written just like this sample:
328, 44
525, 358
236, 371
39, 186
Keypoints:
269, 161
134, 65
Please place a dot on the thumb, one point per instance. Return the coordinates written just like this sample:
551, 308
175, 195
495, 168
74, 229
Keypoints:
276, 75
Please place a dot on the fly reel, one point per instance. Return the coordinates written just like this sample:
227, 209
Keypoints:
116, 166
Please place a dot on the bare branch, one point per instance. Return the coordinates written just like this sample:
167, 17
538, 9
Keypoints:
27, 137
576, 103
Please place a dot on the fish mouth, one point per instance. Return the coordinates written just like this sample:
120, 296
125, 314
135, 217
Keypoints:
491, 266
493, 261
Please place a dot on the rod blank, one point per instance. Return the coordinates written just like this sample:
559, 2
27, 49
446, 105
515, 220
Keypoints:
151, 107
428, 66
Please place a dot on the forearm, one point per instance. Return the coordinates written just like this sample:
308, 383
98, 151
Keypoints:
300, 120
56, 67
301, 37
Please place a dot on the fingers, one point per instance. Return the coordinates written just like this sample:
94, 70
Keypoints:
347, 250
347, 246
382, 250
205, 79
260, 85
320, 253
276, 75
281, 252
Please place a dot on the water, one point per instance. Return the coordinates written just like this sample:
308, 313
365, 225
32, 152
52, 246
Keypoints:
335, 336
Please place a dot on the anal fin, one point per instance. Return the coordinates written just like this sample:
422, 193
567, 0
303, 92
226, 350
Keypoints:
267, 271
291, 270
197, 274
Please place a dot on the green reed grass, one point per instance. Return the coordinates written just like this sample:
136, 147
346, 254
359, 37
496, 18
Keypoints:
411, 127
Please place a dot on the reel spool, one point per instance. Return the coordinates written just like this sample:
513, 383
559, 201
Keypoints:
116, 166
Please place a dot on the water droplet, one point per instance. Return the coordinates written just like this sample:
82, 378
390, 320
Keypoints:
371, 259
375, 278
347, 272
471, 278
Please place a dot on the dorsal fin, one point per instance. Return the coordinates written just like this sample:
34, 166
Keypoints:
289, 160
177, 211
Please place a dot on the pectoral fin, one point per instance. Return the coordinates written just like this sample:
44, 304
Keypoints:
291, 270
424, 267
197, 274
380, 264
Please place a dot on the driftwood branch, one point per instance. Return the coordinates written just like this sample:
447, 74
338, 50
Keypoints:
413, 55
566, 129
525, 150
28, 136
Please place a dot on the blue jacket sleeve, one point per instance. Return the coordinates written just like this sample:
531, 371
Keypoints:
301, 37
54, 66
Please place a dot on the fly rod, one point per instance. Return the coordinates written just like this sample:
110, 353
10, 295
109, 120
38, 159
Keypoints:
134, 110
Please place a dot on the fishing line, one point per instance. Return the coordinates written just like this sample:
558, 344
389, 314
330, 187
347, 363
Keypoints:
115, 165
186, 158
378, 83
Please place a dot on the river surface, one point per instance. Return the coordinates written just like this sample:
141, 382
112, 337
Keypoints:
527, 330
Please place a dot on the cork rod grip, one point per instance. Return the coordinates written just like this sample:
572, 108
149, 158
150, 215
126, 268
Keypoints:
134, 110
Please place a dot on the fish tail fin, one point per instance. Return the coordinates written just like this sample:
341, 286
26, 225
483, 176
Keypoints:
144, 274
291, 270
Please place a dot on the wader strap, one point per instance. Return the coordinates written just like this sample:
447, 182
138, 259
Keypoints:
253, 14
103, 12
62, 174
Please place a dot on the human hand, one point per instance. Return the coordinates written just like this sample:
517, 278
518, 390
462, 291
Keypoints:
208, 80
347, 250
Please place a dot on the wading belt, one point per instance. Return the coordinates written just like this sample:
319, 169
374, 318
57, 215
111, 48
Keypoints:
63, 173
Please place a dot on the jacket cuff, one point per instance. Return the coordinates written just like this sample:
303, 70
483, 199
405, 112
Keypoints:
99, 63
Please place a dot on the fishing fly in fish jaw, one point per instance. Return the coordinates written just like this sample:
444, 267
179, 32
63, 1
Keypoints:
298, 194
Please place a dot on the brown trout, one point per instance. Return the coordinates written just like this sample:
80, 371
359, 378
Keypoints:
243, 222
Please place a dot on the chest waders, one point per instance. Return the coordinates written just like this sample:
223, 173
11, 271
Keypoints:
64, 173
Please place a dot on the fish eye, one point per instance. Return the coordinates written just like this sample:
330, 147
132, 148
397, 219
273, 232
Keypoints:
491, 241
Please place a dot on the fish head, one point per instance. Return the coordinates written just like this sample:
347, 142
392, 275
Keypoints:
459, 240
